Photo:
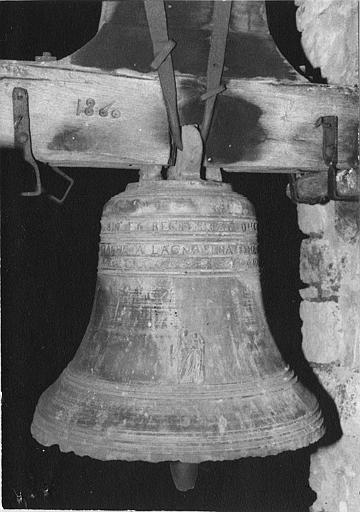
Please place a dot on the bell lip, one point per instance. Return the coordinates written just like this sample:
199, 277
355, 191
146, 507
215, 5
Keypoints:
288, 433
215, 450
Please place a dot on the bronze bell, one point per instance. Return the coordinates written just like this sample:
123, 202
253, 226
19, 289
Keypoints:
177, 363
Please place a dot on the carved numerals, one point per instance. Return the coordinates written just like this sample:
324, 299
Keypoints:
88, 107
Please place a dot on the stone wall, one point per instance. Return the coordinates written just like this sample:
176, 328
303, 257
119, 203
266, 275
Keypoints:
330, 35
330, 311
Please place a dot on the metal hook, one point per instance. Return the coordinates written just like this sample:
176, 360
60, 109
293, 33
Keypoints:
22, 138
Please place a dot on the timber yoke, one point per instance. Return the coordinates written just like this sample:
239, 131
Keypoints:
273, 129
265, 120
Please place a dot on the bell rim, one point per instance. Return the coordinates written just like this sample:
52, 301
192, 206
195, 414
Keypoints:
221, 447
121, 441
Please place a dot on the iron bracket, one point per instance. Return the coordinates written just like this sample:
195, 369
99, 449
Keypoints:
22, 141
330, 138
342, 184
22, 136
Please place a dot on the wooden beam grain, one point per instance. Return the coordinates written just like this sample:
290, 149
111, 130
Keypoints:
126, 125
259, 125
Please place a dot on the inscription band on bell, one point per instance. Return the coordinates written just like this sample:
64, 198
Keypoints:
182, 226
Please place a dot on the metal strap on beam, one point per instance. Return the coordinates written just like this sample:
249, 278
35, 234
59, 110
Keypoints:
156, 17
221, 18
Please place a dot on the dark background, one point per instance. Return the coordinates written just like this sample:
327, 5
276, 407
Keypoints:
49, 260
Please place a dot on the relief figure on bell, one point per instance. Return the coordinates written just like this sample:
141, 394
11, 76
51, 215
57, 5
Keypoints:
190, 356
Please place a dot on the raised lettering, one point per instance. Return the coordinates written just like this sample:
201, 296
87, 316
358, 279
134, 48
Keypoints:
183, 226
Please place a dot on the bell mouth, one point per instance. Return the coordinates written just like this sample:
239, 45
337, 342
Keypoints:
119, 423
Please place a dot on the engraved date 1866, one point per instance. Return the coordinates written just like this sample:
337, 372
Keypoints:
88, 108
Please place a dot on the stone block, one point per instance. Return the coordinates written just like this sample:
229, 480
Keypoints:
335, 476
310, 293
315, 219
330, 37
343, 385
321, 263
349, 304
322, 331
347, 221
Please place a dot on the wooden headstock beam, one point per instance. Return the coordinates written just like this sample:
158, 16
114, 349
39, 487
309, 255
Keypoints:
260, 125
